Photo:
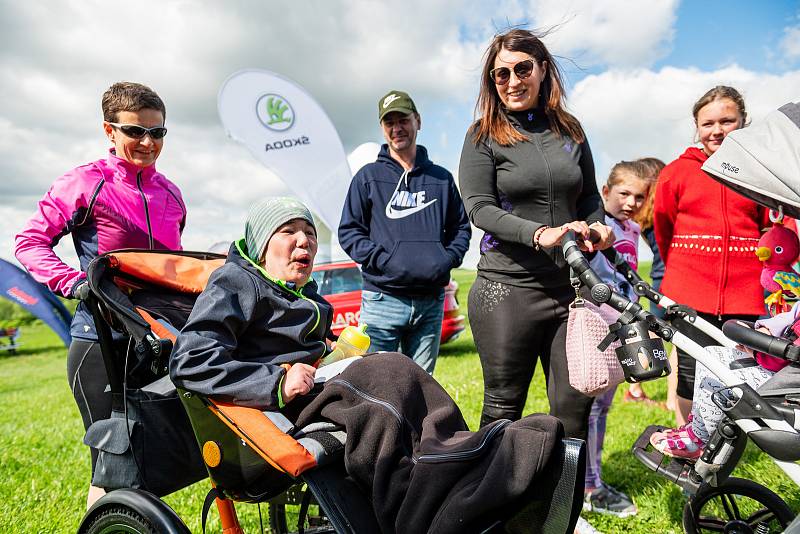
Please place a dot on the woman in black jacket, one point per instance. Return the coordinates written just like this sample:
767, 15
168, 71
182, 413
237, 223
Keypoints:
527, 178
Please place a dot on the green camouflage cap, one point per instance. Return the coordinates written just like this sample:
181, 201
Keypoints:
395, 101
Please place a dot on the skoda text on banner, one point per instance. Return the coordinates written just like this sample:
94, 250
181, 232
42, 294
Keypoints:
289, 132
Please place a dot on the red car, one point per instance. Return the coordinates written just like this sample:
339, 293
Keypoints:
340, 284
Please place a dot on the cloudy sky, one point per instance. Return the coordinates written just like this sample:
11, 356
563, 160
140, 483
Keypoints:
633, 70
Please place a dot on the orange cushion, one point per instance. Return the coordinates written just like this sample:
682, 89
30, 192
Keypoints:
278, 448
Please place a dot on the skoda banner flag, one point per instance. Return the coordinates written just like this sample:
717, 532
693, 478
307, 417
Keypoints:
19, 287
290, 133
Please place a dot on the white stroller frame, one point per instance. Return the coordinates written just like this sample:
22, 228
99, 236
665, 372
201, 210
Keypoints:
715, 465
700, 354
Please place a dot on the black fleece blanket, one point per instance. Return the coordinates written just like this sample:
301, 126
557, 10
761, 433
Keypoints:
409, 448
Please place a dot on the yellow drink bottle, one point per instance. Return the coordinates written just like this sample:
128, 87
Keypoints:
353, 341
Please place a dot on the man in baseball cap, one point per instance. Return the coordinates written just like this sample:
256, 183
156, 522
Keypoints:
404, 222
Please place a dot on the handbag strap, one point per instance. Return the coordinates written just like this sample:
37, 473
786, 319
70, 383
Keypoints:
575, 282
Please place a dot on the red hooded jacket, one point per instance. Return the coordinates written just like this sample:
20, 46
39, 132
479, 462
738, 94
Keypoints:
707, 235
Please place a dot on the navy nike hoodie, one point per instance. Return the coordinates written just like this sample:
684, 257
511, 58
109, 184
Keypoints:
407, 229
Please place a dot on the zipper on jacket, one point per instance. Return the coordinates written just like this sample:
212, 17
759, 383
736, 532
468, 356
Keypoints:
552, 251
369, 398
466, 454
146, 210
725, 252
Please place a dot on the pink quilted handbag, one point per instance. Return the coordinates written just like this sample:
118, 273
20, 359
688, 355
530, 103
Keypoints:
591, 371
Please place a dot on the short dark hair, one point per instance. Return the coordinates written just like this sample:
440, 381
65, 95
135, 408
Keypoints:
130, 96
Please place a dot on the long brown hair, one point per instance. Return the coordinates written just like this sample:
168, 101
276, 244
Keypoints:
492, 122
651, 167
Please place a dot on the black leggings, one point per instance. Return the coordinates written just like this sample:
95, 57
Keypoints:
514, 327
687, 364
88, 381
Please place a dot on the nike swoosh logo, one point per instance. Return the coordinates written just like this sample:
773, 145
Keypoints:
399, 214
389, 99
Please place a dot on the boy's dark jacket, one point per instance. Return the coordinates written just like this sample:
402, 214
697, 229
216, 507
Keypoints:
242, 328
407, 230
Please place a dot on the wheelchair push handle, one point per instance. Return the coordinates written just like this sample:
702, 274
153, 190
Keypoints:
745, 333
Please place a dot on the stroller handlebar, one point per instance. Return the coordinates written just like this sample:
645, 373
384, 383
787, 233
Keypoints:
601, 292
744, 332
640, 286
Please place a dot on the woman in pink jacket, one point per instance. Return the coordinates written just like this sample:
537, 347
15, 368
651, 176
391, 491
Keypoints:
120, 201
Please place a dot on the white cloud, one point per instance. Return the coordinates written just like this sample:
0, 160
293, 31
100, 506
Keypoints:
635, 113
56, 58
790, 44
617, 33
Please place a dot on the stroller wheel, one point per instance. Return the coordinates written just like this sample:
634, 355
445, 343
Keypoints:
119, 520
737, 506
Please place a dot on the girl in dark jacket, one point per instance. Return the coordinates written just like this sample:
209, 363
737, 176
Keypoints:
527, 178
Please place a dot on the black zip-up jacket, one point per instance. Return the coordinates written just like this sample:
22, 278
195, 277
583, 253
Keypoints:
406, 229
242, 328
510, 192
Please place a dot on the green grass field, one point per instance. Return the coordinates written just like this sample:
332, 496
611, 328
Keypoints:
44, 467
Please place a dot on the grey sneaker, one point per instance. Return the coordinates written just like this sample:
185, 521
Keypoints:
609, 500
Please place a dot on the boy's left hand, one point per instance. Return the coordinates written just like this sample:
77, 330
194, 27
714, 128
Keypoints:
299, 380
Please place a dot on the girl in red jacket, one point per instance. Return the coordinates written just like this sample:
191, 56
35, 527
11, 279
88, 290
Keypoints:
707, 234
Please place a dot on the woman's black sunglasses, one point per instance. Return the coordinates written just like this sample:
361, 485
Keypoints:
134, 131
501, 75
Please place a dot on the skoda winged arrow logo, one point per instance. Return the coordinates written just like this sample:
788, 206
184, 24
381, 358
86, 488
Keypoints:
275, 112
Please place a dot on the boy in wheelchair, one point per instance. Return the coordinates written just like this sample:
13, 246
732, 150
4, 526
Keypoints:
252, 339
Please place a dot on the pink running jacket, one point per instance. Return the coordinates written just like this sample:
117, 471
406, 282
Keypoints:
106, 205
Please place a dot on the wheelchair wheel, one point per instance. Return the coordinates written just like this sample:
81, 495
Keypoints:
315, 522
120, 520
738, 506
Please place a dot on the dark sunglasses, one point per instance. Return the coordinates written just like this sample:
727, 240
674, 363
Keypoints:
501, 75
134, 131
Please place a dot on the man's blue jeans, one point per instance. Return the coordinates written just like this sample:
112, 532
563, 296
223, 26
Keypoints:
411, 325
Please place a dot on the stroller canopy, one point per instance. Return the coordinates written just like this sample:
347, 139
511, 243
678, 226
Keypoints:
762, 162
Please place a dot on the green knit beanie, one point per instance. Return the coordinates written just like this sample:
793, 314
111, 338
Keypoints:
266, 216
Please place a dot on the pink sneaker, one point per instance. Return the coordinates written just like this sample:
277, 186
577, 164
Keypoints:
669, 432
678, 443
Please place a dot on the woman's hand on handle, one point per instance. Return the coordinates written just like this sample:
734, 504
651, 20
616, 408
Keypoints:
299, 380
589, 238
601, 236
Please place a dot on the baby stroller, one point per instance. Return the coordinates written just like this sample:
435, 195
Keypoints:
754, 163
713, 488
160, 440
